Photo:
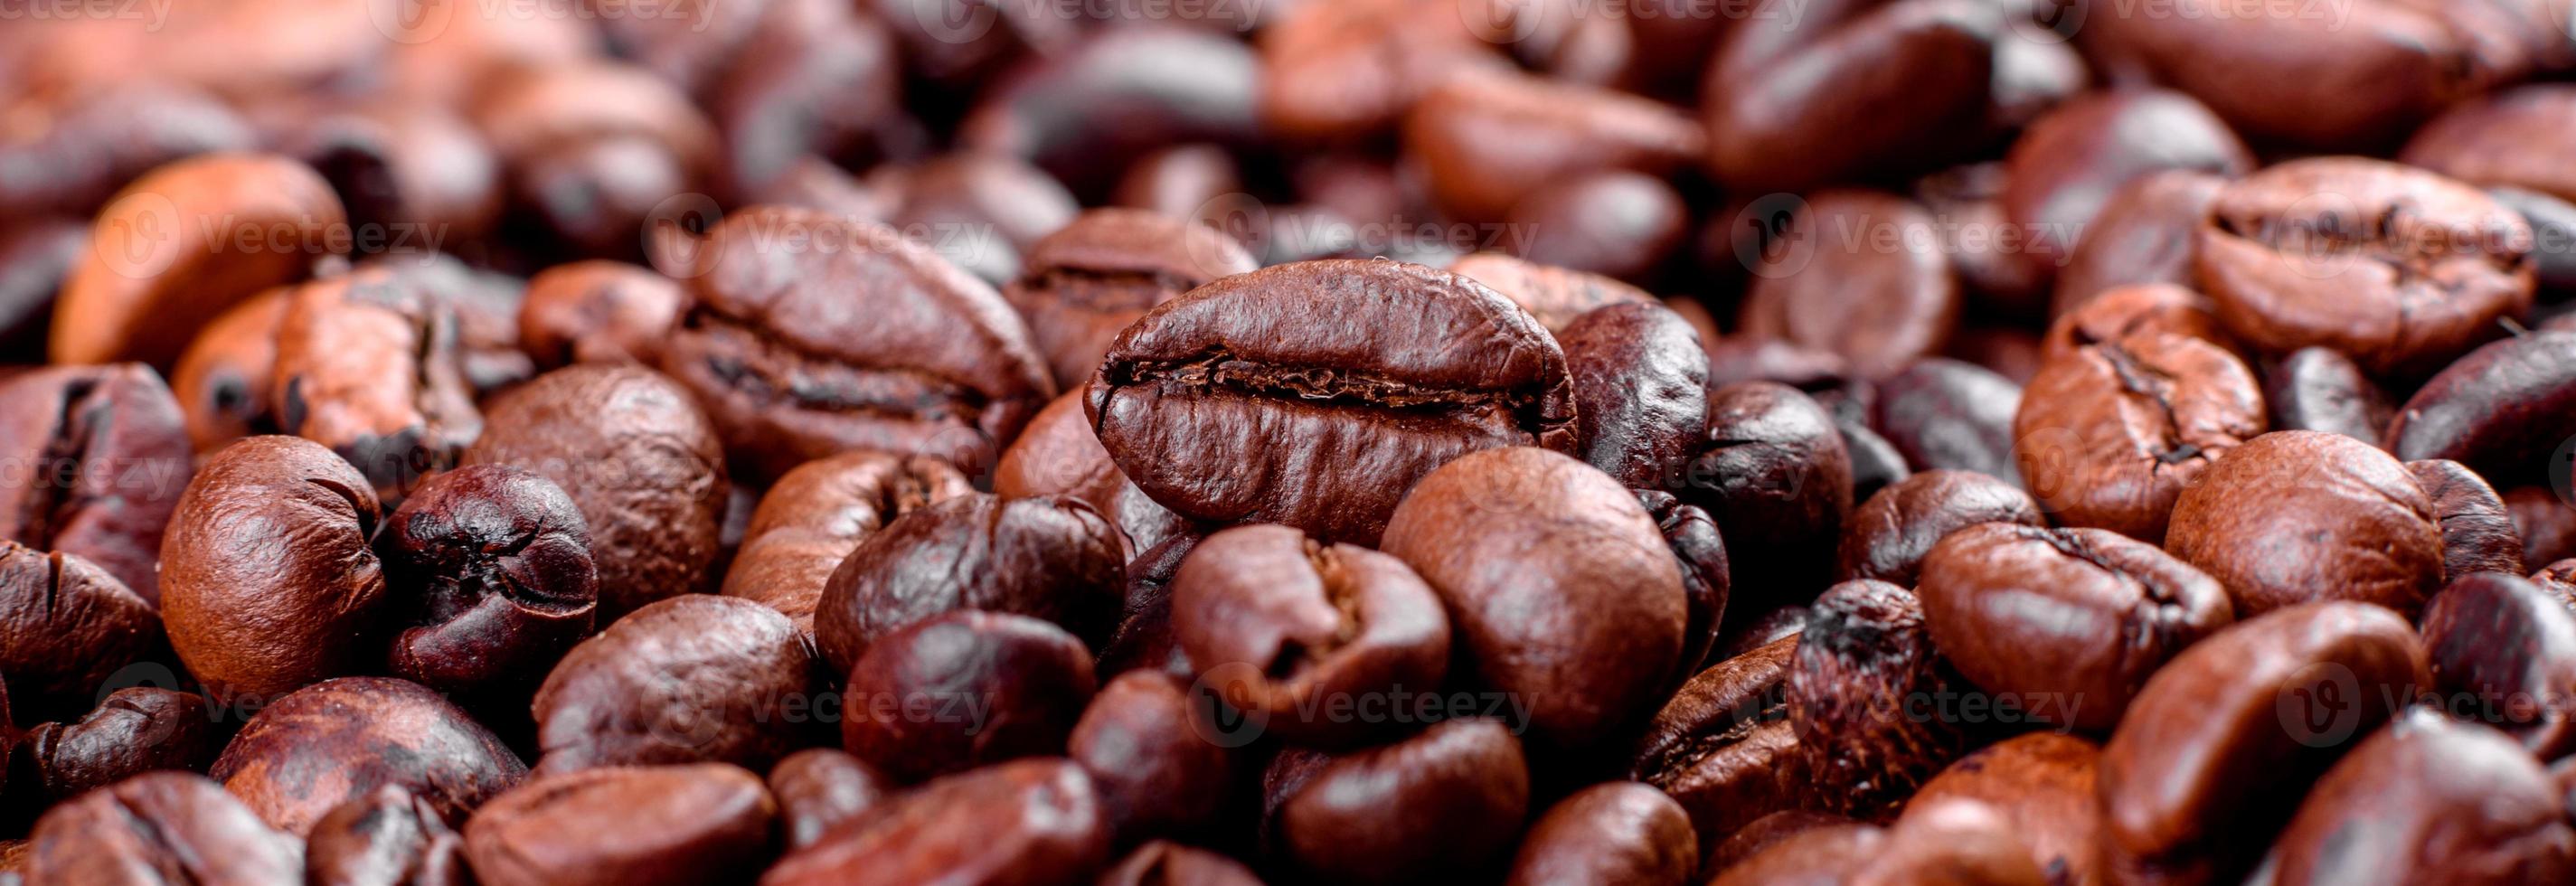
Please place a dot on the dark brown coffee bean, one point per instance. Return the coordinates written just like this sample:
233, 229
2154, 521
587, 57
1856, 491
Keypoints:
640, 462
1178, 181
2477, 532
1160, 769
1944, 414
2502, 410
1888, 537
2547, 522
980, 210
104, 458
596, 312
1144, 638
1085, 113
810, 520
1165, 863
2109, 436
1449, 798
1722, 746
1026, 821
658, 825
926, 361
1553, 295
1736, 359
491, 580
2145, 232
36, 255
157, 828
1620, 832
2440, 800
2066, 165
389, 837
2504, 653
132, 731
2320, 389
1824, 854
2042, 784
1766, 832
256, 619
2497, 140
1853, 90
2398, 268
2214, 747
1059, 454
1487, 139
2116, 312
1958, 840
1858, 273
70, 627
1615, 223
334, 741
1294, 632
1876, 464
1863, 664
2298, 516
1707, 579
2553, 228
964, 689
1342, 71
369, 366
817, 80
1559, 586
1777, 479
819, 788
2076, 619
1984, 247
1052, 558
1640, 391
71, 155
1185, 395
696, 678
167, 257
592, 147
1087, 281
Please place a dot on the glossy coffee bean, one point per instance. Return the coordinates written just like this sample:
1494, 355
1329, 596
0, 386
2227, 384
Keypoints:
2501, 410
1777, 479
489, 572
964, 689
1294, 632
1615, 223
1084, 283
1888, 537
2547, 522
1018, 822
2459, 803
819, 788
2478, 534
1554, 295
1487, 139
132, 731
2504, 652
2327, 251
2210, 751
1963, 841
1165, 863
1765, 832
2490, 141
1059, 454
255, 619
2114, 313
334, 741
1858, 273
1144, 637
1449, 796
2297, 516
1640, 391
696, 678
2068, 163
160, 827
810, 519
388, 836
2042, 783
1221, 384
806, 334
1052, 558
1619, 832
591, 147
2076, 619
2110, 436
699, 823
369, 366
1159, 768
2320, 389
640, 462
1828, 853
596, 312
1945, 414
1864, 657
2145, 232
1086, 112
71, 627
104, 457
1585, 638
1338, 72
1874, 86
1723, 748
222, 380
1707, 578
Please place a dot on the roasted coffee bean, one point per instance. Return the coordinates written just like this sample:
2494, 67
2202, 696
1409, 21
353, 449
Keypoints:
1765, 832
810, 520
1888, 537
1876, 464
369, 365
1738, 359
819, 788
1616, 223
1865, 657
389, 836
1487, 139
1026, 821
222, 381
1250, 382
806, 334
592, 147
1722, 746
1955, 841
641, 463
1052, 558
2501, 410
165, 258
400, 165
819, 79
2477, 532
2042, 784
2116, 312
2145, 232
1553, 295
36, 255
104, 458
1859, 274
160, 827
1058, 454
334, 741
2110, 436
2492, 141
2547, 522
2068, 163
695, 678
1165, 863
2441, 800
964, 689
1619, 832
1083, 114
1008, 203
1848, 92
1829, 853
2320, 389
1640, 391
2299, 516
596, 312
72, 155
1944, 414
489, 574
1445, 799
2510, 647
1584, 638
1289, 630
1984, 247
71, 626
1084, 283
1144, 638
1342, 71
1158, 771
2559, 580
1178, 181
256, 619
2553, 224
1707, 579
698, 823
1777, 479
2398, 268
2078, 617
2211, 751
132, 731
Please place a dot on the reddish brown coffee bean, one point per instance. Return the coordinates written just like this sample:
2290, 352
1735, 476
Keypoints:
661, 825
1160, 770
815, 79
1853, 90
964, 689
104, 456
1640, 392
1859, 274
1864, 658
591, 147
1084, 283
168, 257
1616, 223
1824, 854
1487, 139
1943, 414
1555, 296
1022, 821
1341, 71
1164, 863
1585, 638
1707, 578
2547, 522
2299, 516
2077, 619
1059, 454
160, 827
255, 619
819, 788
2477, 532
1086, 112
638, 459
337, 740
2502, 410
2116, 312
597, 312
810, 520
1888, 537
1144, 638
2042, 784
71, 626
998, 205
1052, 558
1452, 795
2504, 652
2144, 233
2441, 800
1765, 832
1722, 746
2111, 435
2217, 742
1620, 832
1983, 245
695, 678
2320, 389
132, 731
2066, 165
388, 836
75, 146
368, 365
2490, 141
223, 379
1777, 479
490, 581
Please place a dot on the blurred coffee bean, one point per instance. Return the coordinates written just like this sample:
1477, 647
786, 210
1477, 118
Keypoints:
1052, 558
597, 312
335, 741
102, 460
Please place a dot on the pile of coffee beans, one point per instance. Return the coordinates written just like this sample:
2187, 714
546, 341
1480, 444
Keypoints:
1974, 442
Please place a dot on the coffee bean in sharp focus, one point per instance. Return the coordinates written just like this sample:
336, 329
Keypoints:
2299, 516
156, 827
1052, 558
1865, 653
1723, 747
257, 619
2500, 817
1026, 679
102, 460
1092, 278
811, 519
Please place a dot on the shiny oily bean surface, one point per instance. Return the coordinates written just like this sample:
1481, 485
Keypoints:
2504, 652
810, 520
131, 731
2478, 534
696, 823
2438, 800
1777, 479
596, 312
962, 690
2298, 516
1945, 414
696, 678
1554, 295
160, 827
1052, 558
1084, 283
819, 788
1059, 454
1160, 768
1451, 795
2144, 233
71, 625
1888, 537
2501, 410
2114, 313
369, 364
489, 571
2320, 389
1640, 391
388, 836
1023, 821
256, 619
2111, 435
2042, 783
1617, 832
335, 741
1723, 748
